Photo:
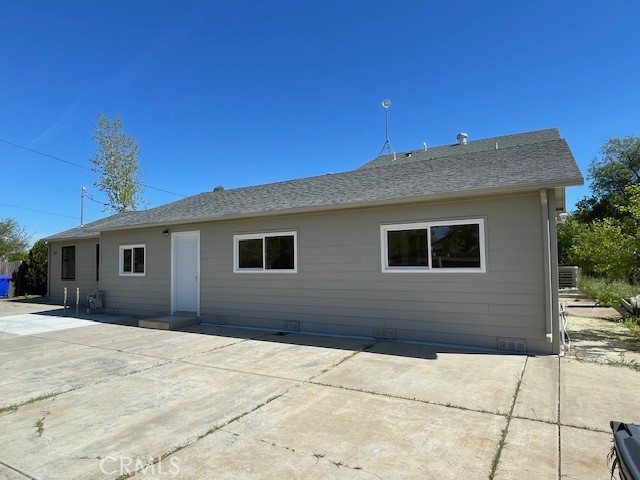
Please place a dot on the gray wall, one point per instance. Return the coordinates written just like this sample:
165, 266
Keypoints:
339, 286
85, 270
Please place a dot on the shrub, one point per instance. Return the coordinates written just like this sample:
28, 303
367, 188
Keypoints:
607, 292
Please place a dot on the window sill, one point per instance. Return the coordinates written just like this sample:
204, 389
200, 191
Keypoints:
433, 270
268, 272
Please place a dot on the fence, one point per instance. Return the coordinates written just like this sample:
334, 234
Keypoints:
18, 283
569, 277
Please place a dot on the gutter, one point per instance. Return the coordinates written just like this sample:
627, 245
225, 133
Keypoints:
546, 244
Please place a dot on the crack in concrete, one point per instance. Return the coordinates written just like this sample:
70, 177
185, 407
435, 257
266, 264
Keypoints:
157, 458
17, 470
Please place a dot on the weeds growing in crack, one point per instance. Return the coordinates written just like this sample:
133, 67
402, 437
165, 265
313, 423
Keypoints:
14, 407
505, 430
39, 425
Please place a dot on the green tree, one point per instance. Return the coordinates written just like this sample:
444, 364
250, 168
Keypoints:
617, 168
117, 164
568, 234
603, 249
13, 239
219, 188
36, 269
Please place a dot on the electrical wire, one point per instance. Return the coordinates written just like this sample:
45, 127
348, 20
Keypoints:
90, 197
53, 157
37, 211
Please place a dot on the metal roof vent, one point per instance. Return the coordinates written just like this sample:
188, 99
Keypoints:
462, 138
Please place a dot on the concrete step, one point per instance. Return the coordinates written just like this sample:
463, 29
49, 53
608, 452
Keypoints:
170, 322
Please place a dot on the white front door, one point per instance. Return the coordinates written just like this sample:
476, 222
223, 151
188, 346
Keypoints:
185, 272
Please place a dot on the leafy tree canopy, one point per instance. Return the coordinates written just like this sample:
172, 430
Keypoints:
117, 164
13, 239
616, 169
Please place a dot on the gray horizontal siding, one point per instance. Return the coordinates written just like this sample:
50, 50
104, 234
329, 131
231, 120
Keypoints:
138, 295
85, 277
339, 286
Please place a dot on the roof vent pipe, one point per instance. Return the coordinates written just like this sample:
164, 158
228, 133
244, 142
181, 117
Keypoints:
462, 138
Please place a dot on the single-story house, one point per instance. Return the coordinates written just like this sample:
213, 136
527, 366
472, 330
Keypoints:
454, 244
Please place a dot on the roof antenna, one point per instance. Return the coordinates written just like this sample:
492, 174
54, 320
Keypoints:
386, 103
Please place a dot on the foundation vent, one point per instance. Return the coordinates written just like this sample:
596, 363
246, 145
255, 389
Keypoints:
292, 326
512, 344
385, 333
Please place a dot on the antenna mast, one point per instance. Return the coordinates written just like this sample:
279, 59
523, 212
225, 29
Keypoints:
386, 103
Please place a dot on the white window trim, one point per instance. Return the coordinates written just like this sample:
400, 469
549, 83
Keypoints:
121, 260
427, 226
262, 236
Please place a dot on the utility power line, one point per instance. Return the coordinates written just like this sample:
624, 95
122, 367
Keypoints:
53, 157
37, 211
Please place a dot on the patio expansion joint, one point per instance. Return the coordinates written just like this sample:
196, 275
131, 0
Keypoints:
509, 416
349, 356
559, 422
410, 399
157, 458
17, 470
219, 347
14, 407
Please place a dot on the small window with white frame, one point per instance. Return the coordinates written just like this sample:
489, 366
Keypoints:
133, 259
275, 252
442, 246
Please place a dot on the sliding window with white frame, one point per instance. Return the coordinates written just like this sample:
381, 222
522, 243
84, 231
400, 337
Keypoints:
275, 252
442, 246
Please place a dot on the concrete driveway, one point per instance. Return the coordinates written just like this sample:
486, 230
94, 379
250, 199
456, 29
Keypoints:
83, 399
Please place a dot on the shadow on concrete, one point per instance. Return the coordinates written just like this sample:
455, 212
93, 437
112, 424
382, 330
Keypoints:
372, 345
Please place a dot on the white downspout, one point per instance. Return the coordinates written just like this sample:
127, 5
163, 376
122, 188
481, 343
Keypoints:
548, 311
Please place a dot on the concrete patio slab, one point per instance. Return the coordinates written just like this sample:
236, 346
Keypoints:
476, 381
18, 306
9, 474
603, 341
387, 437
30, 323
61, 367
592, 394
530, 452
538, 397
136, 417
291, 356
163, 344
114, 337
584, 454
19, 346
227, 456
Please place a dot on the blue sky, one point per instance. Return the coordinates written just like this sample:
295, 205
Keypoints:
244, 93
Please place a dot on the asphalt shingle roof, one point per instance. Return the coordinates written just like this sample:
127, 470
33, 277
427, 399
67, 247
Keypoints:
88, 230
475, 146
524, 161
547, 161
